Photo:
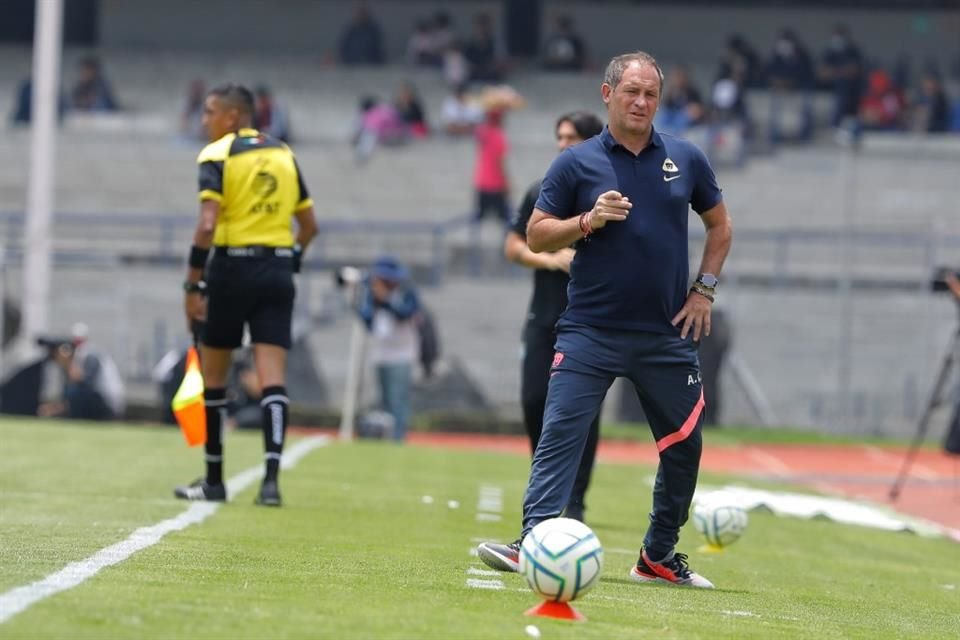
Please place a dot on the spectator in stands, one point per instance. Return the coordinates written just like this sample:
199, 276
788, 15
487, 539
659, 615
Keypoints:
442, 34
92, 388
483, 51
92, 91
377, 124
564, 49
459, 116
430, 40
191, 118
902, 70
420, 46
23, 104
882, 108
362, 41
739, 58
841, 71
729, 125
456, 69
490, 171
410, 109
790, 77
388, 304
271, 116
931, 109
681, 106
789, 67
727, 102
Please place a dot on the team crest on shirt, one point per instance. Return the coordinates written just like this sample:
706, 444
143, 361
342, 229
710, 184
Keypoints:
264, 184
670, 170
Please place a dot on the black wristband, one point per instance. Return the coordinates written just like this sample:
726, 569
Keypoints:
198, 257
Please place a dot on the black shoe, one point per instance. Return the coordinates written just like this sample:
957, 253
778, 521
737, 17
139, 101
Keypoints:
574, 512
200, 490
502, 557
269, 495
672, 571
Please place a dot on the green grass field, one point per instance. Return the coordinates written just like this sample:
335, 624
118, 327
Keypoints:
357, 553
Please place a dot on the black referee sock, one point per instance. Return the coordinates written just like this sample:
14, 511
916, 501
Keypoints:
275, 407
215, 403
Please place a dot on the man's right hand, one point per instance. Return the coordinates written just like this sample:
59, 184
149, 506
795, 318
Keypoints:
611, 206
195, 306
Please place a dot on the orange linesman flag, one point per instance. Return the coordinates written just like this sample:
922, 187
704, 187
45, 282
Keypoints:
188, 402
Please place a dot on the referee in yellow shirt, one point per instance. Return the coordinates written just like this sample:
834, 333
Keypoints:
250, 190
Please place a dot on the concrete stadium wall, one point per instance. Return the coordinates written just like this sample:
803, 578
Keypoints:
693, 34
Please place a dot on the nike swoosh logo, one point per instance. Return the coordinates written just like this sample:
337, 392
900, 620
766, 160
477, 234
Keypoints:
671, 178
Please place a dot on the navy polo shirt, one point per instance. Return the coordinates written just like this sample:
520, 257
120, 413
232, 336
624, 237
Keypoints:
632, 274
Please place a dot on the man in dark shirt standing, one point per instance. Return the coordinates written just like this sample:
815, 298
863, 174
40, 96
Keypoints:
842, 71
549, 299
624, 197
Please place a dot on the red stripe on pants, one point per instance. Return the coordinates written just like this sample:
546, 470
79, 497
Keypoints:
686, 429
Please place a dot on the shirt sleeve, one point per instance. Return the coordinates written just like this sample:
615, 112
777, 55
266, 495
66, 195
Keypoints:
303, 198
211, 180
706, 193
558, 192
522, 216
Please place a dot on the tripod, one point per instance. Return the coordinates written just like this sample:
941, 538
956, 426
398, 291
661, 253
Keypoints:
936, 399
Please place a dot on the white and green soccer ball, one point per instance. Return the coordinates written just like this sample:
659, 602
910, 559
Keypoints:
720, 524
561, 559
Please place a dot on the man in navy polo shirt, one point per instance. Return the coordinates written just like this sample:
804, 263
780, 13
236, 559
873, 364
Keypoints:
623, 197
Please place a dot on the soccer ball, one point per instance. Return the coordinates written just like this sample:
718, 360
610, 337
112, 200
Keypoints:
561, 559
720, 524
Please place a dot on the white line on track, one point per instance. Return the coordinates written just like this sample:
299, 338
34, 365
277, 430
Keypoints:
919, 469
768, 461
21, 598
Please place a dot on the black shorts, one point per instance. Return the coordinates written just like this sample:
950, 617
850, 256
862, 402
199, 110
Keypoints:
255, 291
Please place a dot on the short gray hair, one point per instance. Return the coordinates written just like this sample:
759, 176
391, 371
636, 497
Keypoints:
618, 64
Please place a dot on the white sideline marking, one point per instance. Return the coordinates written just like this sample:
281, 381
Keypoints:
489, 517
485, 584
473, 571
19, 599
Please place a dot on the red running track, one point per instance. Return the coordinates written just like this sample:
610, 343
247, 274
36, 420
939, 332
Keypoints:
863, 472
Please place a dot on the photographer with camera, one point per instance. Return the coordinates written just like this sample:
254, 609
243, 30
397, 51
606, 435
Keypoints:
92, 386
389, 306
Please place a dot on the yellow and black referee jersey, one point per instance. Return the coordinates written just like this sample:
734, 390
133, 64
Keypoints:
257, 182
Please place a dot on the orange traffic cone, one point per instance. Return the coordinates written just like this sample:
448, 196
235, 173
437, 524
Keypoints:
187, 403
558, 610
